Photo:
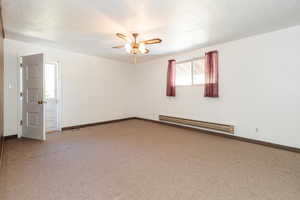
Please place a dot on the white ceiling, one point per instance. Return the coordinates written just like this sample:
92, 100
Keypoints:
89, 26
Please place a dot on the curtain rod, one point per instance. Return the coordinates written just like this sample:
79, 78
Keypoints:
189, 60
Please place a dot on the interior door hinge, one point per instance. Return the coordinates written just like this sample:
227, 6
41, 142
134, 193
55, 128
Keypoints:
21, 94
21, 122
21, 65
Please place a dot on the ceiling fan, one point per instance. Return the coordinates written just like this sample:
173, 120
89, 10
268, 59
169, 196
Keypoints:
134, 47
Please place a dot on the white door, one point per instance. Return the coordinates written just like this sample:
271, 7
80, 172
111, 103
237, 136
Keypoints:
51, 95
33, 115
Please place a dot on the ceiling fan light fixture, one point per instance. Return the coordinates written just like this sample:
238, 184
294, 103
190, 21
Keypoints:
134, 46
128, 47
134, 51
142, 48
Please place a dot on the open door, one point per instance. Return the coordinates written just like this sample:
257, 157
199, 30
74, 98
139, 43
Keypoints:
33, 107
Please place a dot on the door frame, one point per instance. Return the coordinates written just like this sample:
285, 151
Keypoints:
59, 92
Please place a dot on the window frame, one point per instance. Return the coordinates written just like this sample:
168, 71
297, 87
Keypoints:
192, 72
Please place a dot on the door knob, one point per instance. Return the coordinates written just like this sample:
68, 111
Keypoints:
42, 102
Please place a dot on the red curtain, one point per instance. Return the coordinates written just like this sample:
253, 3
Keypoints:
171, 78
211, 86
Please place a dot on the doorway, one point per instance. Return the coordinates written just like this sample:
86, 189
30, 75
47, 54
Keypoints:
52, 97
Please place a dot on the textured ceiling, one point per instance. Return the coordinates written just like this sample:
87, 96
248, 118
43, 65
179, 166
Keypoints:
89, 26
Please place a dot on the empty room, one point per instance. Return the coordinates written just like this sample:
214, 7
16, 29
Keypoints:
149, 100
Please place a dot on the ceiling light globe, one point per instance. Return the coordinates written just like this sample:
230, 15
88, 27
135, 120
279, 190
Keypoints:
128, 48
142, 48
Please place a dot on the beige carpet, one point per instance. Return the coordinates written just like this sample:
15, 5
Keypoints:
138, 160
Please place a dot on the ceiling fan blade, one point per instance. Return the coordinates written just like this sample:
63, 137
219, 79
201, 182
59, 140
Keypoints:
152, 41
118, 47
122, 36
147, 51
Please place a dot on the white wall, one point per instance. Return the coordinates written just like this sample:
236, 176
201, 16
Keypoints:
93, 89
259, 81
259, 88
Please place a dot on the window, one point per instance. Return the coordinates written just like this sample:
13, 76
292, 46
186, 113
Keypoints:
190, 73
184, 74
50, 81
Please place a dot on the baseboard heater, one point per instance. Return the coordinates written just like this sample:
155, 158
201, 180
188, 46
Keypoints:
200, 124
